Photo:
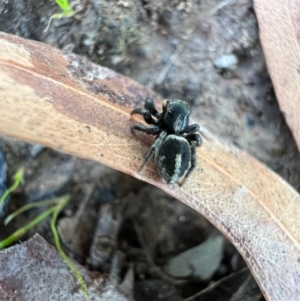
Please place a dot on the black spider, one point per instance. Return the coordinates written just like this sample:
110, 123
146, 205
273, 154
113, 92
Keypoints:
176, 141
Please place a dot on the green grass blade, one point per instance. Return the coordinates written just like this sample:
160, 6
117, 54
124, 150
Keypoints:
58, 208
18, 178
64, 6
28, 207
20, 232
67, 12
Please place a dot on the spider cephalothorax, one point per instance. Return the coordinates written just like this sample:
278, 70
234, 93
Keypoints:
176, 141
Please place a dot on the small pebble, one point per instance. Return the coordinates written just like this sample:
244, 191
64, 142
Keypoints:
35, 149
226, 61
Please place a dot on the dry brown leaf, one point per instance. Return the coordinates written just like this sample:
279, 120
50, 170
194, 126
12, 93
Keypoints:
69, 104
279, 26
34, 269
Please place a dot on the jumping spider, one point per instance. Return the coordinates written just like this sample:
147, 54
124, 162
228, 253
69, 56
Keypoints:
176, 141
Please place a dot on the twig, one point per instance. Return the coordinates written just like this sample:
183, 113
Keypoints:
181, 47
215, 284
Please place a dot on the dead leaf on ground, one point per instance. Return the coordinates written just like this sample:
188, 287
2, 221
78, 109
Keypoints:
34, 269
279, 34
64, 102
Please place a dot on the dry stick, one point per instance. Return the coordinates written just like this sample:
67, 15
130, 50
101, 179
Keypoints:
181, 47
215, 284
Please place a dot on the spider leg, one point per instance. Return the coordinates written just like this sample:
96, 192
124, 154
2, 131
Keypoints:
194, 137
157, 143
150, 130
190, 129
149, 105
147, 116
193, 162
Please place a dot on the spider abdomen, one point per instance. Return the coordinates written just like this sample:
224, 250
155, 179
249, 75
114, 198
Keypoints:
173, 158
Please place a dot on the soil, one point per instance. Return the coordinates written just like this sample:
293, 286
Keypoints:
220, 70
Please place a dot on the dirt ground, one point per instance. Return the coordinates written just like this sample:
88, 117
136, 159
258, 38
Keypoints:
221, 71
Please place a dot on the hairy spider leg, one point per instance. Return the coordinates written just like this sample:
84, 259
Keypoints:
149, 105
154, 147
190, 129
194, 138
150, 130
147, 116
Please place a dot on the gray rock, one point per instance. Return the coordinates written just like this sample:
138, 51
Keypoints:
200, 262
